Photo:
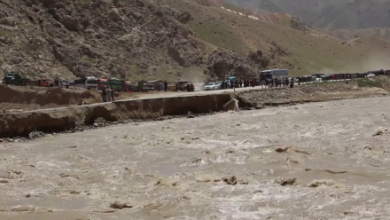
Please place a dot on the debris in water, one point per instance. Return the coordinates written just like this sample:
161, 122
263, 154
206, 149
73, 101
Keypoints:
231, 180
234, 181
288, 181
317, 183
302, 152
22, 209
108, 211
347, 213
74, 192
4, 181
378, 133
118, 205
190, 115
282, 150
158, 182
230, 151
204, 181
64, 175
335, 172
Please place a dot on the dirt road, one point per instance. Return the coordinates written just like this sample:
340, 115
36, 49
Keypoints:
226, 166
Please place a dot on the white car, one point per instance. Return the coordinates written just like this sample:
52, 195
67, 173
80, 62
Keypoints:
211, 86
370, 75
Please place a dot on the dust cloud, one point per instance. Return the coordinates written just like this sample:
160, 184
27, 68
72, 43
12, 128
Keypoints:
308, 161
373, 61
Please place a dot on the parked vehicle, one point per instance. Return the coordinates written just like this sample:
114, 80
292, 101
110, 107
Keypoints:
211, 86
127, 86
102, 82
219, 84
272, 74
181, 85
90, 82
14, 78
115, 84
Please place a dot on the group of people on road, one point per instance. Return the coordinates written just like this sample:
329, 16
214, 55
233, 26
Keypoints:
272, 82
107, 94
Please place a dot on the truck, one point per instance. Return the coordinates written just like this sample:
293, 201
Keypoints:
180, 86
127, 86
89, 82
115, 84
14, 78
102, 82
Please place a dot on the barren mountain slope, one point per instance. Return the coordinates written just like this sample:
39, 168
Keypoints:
168, 39
341, 14
122, 38
288, 42
351, 34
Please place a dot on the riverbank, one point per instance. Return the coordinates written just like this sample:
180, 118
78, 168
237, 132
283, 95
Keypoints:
74, 118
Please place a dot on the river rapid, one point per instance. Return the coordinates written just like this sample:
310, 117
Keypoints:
313, 161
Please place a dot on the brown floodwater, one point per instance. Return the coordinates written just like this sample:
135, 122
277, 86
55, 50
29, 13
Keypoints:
234, 165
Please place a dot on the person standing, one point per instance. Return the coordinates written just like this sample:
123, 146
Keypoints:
112, 95
108, 94
104, 94
165, 85
292, 83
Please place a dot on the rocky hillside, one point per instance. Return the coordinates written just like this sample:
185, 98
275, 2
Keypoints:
166, 39
340, 14
122, 38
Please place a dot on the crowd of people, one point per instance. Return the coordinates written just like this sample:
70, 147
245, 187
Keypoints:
256, 82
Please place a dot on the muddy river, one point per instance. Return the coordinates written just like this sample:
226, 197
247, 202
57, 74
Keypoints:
314, 161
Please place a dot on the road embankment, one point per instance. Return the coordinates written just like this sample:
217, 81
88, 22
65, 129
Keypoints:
65, 118
68, 118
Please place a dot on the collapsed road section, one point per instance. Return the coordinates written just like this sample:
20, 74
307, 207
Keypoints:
67, 118
64, 118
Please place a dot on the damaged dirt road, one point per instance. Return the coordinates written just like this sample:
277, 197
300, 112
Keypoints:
313, 161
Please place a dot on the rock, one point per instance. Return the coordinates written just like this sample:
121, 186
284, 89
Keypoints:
16, 60
9, 21
36, 134
114, 15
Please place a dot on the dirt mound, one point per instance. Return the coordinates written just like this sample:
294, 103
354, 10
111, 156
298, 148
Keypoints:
35, 97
